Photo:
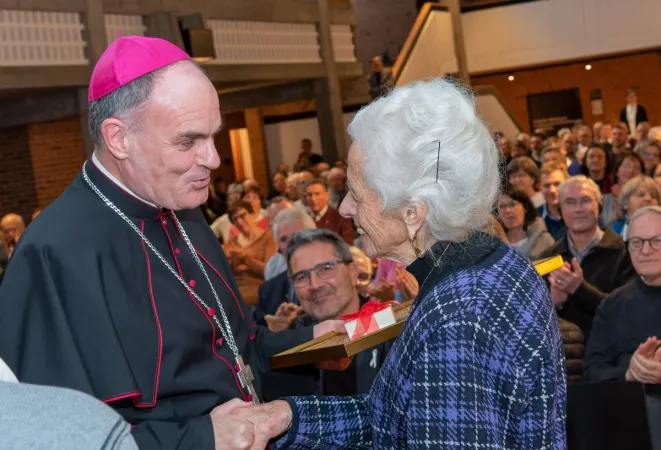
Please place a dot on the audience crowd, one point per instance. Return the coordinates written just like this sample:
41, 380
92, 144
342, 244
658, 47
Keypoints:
588, 194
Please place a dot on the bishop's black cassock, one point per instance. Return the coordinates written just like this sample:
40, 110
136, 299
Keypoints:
85, 304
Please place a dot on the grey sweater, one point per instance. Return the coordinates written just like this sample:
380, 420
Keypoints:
42, 417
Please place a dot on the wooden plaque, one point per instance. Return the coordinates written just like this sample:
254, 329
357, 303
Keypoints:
334, 346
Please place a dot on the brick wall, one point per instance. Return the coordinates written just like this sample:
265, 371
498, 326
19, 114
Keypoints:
382, 25
17, 192
37, 162
613, 76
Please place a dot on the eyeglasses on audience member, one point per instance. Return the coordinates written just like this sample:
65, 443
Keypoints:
325, 271
638, 243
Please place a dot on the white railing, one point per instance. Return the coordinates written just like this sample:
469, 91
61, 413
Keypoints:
343, 45
124, 24
241, 42
38, 38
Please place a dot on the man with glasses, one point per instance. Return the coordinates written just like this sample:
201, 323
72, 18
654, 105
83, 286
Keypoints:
625, 342
325, 278
596, 261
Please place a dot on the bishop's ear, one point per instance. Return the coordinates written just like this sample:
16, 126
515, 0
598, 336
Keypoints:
414, 213
114, 132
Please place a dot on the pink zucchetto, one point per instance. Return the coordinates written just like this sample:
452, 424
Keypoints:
129, 58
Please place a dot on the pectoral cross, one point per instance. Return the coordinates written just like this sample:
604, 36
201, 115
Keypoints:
245, 378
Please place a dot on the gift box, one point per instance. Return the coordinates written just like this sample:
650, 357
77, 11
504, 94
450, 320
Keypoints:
372, 317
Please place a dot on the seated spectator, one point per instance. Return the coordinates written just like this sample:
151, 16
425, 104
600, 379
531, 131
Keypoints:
523, 174
253, 196
624, 343
325, 278
652, 156
317, 165
12, 226
597, 166
596, 261
552, 176
519, 149
221, 226
279, 185
324, 215
525, 229
630, 165
301, 183
248, 251
277, 289
584, 137
553, 155
337, 186
619, 143
276, 265
638, 192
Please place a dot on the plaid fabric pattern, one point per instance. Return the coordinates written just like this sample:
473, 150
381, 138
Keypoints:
479, 364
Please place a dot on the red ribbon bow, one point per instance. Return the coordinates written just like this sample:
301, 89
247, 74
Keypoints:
364, 314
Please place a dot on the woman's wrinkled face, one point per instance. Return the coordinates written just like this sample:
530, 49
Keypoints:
384, 233
641, 197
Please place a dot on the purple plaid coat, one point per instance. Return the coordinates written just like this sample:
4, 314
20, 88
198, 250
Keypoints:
479, 364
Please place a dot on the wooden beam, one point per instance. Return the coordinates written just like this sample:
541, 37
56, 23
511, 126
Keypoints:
268, 95
258, 156
221, 73
46, 106
43, 77
459, 44
44, 5
328, 94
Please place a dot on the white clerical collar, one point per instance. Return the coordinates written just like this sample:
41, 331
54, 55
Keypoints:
103, 170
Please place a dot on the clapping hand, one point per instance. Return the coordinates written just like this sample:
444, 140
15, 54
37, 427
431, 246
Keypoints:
568, 278
283, 318
645, 365
383, 291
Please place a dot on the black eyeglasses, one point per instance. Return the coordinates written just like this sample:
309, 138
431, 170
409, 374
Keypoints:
325, 271
639, 243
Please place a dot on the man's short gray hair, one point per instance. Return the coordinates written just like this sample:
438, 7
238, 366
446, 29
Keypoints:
425, 142
303, 238
122, 102
580, 180
633, 185
292, 215
643, 211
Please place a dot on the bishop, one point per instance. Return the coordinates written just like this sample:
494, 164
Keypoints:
119, 288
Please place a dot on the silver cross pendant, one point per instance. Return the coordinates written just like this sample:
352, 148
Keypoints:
245, 378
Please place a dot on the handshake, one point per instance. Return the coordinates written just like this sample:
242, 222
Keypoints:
238, 425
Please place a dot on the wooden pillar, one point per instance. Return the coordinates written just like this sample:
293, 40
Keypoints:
458, 33
163, 25
328, 94
95, 36
258, 155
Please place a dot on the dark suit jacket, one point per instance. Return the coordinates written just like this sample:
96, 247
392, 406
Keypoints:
333, 221
606, 267
271, 294
641, 116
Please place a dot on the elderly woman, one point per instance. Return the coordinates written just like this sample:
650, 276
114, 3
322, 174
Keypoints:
638, 192
629, 165
479, 363
249, 251
526, 231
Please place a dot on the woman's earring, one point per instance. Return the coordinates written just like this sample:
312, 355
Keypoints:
418, 253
